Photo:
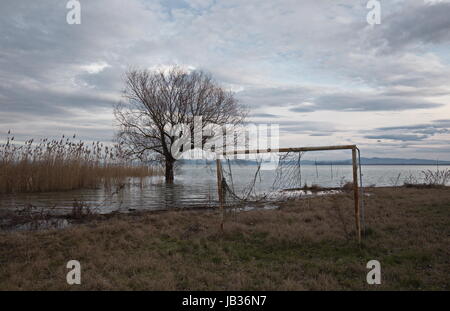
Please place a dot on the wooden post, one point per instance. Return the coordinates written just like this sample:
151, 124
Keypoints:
220, 190
356, 194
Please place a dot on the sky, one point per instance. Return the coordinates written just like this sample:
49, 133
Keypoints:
316, 68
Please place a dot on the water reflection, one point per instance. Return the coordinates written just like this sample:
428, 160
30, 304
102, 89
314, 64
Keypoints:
195, 186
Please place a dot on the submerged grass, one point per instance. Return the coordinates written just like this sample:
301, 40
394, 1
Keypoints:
305, 245
55, 165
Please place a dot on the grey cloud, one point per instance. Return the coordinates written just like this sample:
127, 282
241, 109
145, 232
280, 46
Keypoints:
49, 102
320, 134
445, 122
415, 132
264, 115
418, 91
417, 23
432, 128
304, 99
273, 96
307, 127
370, 102
405, 137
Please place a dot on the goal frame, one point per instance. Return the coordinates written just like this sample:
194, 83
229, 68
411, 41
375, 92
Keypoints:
355, 158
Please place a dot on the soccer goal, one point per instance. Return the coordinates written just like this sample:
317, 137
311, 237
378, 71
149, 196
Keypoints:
277, 175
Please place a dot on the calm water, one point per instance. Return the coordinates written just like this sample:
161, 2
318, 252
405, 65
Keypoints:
196, 186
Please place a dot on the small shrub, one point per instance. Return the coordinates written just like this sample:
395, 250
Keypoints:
430, 179
437, 177
80, 210
347, 187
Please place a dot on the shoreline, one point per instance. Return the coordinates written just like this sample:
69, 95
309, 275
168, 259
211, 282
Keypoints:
33, 218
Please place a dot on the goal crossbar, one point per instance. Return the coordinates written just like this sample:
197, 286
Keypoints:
297, 149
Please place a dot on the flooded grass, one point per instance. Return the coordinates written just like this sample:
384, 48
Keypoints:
305, 244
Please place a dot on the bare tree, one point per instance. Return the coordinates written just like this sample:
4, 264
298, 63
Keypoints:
157, 101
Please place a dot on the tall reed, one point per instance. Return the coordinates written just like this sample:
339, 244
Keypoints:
64, 164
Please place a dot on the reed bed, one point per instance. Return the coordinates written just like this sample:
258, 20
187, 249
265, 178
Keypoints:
64, 164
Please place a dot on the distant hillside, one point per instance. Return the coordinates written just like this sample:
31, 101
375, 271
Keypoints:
364, 161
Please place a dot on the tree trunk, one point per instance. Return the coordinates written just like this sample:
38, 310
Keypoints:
169, 171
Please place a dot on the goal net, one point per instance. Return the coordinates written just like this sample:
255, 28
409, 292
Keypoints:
282, 175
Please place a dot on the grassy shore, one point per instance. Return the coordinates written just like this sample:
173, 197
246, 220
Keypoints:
305, 245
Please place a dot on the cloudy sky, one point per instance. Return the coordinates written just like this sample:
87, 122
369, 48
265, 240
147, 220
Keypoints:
315, 67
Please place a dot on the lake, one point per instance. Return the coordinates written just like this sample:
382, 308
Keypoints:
195, 185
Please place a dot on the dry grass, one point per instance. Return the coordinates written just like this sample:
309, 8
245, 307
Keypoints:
305, 245
54, 165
